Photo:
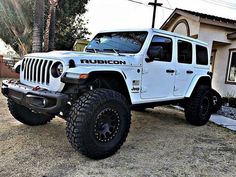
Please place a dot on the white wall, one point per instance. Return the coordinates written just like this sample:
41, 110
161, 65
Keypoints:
209, 33
220, 71
193, 25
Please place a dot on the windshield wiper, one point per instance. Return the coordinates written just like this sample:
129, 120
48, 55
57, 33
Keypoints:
91, 50
114, 50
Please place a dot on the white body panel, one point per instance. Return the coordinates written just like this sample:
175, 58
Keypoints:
146, 82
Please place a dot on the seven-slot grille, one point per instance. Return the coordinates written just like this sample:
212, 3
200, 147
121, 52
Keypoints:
37, 70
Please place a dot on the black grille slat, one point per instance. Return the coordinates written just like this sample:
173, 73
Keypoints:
26, 63
35, 70
31, 69
43, 70
48, 72
28, 69
39, 70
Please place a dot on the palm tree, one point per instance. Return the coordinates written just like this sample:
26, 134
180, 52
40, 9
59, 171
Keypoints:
38, 25
49, 38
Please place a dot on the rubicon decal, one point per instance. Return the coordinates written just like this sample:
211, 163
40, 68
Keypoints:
111, 62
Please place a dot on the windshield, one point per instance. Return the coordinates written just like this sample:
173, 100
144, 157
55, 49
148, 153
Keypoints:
117, 42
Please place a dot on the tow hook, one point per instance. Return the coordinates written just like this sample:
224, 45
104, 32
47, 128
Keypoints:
36, 88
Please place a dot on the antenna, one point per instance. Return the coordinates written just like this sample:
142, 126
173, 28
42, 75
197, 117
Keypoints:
154, 4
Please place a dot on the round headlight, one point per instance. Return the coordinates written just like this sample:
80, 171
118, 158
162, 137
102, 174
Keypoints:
60, 69
57, 69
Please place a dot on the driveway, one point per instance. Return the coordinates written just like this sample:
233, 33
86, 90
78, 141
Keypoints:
160, 143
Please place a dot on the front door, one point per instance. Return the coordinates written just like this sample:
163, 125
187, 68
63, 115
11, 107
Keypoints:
158, 75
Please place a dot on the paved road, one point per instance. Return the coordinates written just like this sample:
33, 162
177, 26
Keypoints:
160, 143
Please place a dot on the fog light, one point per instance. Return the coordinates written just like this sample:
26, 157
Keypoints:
45, 102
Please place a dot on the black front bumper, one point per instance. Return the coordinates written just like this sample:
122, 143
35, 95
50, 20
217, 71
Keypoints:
37, 99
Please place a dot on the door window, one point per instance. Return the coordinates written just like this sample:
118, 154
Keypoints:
164, 47
184, 52
202, 56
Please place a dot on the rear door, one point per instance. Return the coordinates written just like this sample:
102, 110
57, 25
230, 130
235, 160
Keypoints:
184, 67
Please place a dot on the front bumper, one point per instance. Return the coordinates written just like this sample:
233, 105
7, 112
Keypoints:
37, 99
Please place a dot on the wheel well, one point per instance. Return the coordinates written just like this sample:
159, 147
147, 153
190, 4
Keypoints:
110, 80
202, 81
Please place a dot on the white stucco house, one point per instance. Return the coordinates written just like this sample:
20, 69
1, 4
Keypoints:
6, 50
220, 34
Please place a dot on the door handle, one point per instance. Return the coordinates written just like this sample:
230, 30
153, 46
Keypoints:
170, 71
189, 72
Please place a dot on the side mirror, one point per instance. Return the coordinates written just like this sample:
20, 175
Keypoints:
155, 53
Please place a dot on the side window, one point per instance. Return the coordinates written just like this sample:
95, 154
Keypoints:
185, 51
202, 56
163, 47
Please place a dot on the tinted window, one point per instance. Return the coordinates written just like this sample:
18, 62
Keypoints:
202, 56
184, 52
165, 45
123, 42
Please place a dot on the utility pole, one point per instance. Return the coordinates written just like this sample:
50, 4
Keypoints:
155, 4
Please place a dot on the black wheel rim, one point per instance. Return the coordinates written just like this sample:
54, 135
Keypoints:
204, 108
214, 98
107, 125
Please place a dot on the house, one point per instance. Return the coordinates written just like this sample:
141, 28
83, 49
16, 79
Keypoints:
7, 51
8, 57
220, 34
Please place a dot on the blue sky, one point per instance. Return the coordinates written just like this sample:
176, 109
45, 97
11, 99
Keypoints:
118, 14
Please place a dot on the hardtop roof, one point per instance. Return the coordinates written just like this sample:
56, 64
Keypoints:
154, 30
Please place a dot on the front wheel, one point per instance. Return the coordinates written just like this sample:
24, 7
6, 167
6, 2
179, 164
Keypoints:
199, 107
26, 116
98, 123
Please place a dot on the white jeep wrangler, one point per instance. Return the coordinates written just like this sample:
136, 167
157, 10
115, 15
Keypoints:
95, 90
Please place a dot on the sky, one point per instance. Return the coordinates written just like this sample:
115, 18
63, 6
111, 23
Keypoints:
120, 14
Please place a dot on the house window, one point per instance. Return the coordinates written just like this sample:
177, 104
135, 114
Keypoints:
231, 77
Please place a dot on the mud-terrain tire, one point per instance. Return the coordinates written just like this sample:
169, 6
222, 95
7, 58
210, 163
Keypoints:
98, 123
26, 116
217, 101
199, 106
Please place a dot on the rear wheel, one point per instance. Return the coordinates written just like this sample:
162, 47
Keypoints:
217, 101
98, 123
26, 116
199, 107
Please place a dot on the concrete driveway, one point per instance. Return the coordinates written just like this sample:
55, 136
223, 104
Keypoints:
160, 143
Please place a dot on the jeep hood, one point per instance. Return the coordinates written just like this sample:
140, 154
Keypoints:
86, 58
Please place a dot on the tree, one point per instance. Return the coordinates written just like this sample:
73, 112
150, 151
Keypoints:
49, 36
38, 29
70, 23
16, 24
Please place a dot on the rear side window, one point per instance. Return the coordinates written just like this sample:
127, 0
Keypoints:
202, 55
185, 52
165, 45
